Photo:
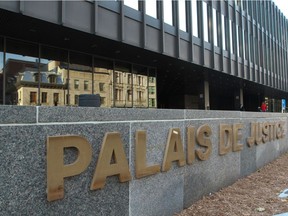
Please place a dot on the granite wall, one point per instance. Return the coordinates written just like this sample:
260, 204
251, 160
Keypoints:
23, 134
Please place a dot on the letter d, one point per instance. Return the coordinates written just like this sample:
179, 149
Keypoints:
57, 170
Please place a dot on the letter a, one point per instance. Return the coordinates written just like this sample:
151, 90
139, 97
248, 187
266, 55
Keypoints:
112, 149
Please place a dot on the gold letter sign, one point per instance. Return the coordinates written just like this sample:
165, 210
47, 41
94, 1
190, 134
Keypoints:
174, 150
56, 170
142, 169
111, 150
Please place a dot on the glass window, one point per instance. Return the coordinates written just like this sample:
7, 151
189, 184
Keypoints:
231, 37
251, 54
103, 81
132, 3
33, 98
101, 87
76, 100
22, 79
152, 90
129, 93
76, 84
205, 22
215, 27
168, 11
86, 83
80, 70
244, 44
237, 41
182, 15
140, 86
54, 73
55, 98
152, 102
195, 18
44, 98
224, 30
240, 41
122, 85
151, 8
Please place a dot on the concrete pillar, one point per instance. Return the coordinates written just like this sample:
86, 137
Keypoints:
241, 96
206, 95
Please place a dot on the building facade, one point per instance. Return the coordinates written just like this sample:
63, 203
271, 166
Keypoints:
166, 54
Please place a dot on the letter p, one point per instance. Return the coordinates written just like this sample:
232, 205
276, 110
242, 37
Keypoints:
57, 170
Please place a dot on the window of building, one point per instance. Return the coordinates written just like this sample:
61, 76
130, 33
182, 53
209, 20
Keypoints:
129, 95
33, 97
195, 18
151, 102
76, 84
152, 79
80, 70
101, 87
238, 42
224, 30
139, 95
215, 27
36, 77
205, 22
132, 4
245, 44
118, 94
76, 99
231, 37
256, 43
52, 79
56, 99
118, 77
57, 70
67, 98
44, 97
151, 90
86, 85
140, 80
129, 78
151, 8
168, 11
251, 54
21, 64
182, 15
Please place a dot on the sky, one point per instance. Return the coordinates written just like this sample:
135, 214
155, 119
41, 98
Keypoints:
283, 6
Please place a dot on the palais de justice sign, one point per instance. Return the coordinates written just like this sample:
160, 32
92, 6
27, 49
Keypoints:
113, 161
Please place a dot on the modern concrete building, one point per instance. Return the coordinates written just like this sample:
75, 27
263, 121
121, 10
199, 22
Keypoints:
201, 54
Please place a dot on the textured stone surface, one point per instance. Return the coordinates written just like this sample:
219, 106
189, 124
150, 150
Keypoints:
17, 114
200, 114
248, 154
76, 114
162, 193
23, 178
204, 177
23, 159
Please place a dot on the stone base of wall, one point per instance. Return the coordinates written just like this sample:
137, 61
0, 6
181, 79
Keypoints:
23, 152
